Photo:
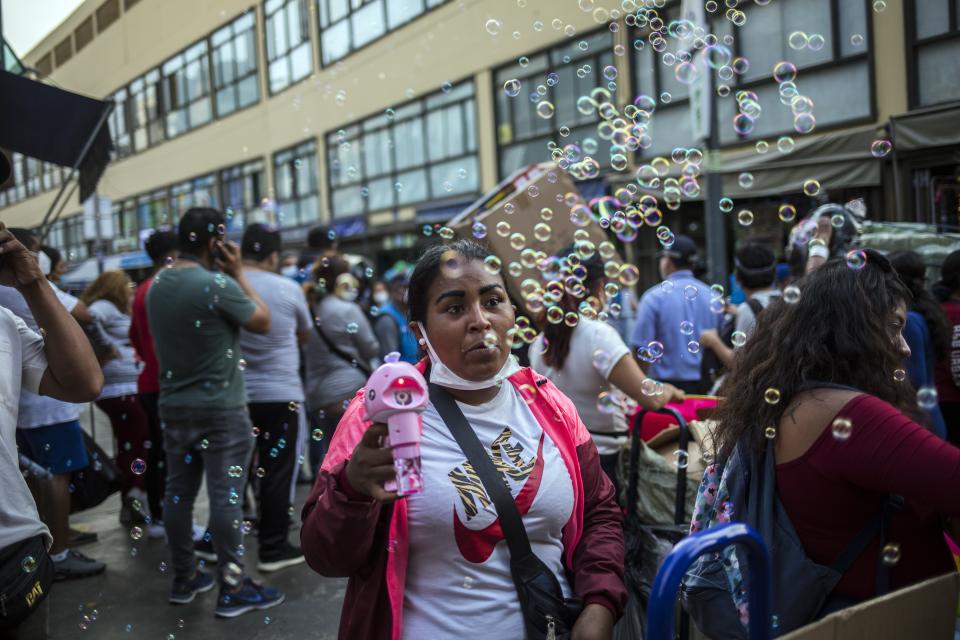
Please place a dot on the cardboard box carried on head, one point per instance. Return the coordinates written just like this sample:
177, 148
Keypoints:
539, 193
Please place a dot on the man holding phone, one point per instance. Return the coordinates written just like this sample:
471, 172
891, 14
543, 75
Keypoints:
196, 309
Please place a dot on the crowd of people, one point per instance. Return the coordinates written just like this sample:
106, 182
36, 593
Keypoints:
241, 364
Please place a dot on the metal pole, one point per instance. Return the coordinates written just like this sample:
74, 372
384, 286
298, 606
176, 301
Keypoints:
98, 241
83, 154
715, 223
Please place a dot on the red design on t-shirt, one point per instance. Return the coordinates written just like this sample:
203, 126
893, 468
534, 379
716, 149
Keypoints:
476, 546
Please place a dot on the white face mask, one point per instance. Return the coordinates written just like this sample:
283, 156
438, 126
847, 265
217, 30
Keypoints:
441, 375
289, 271
350, 295
44, 261
381, 298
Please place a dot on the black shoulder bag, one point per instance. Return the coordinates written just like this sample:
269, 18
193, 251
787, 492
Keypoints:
547, 614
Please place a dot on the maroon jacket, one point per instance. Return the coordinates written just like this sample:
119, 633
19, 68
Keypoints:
348, 534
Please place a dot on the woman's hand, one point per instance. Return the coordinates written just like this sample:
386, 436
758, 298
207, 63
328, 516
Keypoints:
595, 623
371, 465
709, 339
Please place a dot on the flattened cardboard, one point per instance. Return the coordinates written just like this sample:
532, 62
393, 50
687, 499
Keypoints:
925, 611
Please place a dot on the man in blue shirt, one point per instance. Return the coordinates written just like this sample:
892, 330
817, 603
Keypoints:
671, 316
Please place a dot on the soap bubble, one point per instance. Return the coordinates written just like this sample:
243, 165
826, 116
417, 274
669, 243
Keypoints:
138, 466
841, 428
856, 259
927, 398
772, 395
880, 148
899, 375
891, 551
493, 26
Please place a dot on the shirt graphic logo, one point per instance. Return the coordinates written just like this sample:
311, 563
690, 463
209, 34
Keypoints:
476, 545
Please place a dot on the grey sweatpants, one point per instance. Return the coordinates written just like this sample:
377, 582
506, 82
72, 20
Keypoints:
218, 442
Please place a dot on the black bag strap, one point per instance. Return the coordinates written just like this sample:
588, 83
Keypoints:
878, 524
337, 351
493, 482
755, 306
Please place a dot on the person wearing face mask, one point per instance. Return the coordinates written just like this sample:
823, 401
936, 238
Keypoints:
339, 354
288, 265
392, 327
561, 353
433, 564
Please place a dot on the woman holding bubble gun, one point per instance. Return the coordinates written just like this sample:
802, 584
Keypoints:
433, 547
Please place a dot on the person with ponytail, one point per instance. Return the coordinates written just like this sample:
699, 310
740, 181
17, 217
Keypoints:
947, 369
927, 333
591, 364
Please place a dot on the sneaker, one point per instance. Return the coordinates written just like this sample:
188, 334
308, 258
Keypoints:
204, 549
198, 531
250, 596
77, 565
286, 556
184, 591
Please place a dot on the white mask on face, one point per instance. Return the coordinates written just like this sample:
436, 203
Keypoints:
289, 271
350, 295
44, 261
381, 298
441, 375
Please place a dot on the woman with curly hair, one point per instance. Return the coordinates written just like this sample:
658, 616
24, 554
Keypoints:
928, 333
821, 381
109, 298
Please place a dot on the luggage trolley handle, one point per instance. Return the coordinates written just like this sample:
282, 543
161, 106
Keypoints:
680, 506
660, 610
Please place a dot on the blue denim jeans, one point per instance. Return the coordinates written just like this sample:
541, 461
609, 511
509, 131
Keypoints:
218, 443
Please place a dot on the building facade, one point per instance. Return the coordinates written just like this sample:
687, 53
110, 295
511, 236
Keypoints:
378, 117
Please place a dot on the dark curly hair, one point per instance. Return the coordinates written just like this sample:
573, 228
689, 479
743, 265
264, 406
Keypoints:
839, 332
428, 268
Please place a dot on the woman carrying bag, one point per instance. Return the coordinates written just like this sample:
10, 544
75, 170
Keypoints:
430, 565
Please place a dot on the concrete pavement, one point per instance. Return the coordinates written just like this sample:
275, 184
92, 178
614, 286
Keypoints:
130, 599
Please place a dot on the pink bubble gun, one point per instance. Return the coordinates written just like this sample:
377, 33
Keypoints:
396, 394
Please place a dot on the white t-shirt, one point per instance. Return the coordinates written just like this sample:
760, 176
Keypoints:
595, 348
22, 363
746, 321
37, 410
458, 571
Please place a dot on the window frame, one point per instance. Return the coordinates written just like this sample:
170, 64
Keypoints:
287, 54
241, 172
913, 44
331, 142
237, 79
289, 156
323, 13
837, 60
527, 81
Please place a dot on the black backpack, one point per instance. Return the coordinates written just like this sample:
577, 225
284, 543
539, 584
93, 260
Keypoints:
710, 366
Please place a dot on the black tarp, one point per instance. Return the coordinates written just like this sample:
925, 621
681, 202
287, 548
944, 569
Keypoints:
54, 125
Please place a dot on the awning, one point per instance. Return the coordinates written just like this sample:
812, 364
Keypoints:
836, 160
86, 271
56, 126
935, 127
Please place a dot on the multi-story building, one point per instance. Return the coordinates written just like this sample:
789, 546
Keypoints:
378, 117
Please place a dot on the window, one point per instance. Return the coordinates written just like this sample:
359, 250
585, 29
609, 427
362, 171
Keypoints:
348, 25
67, 235
125, 226
32, 175
566, 72
146, 121
198, 192
63, 51
186, 90
289, 56
51, 176
234, 59
385, 161
295, 182
120, 124
45, 65
933, 37
153, 210
83, 34
242, 191
107, 14
834, 73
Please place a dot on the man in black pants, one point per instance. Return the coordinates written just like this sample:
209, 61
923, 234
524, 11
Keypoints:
275, 392
161, 246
